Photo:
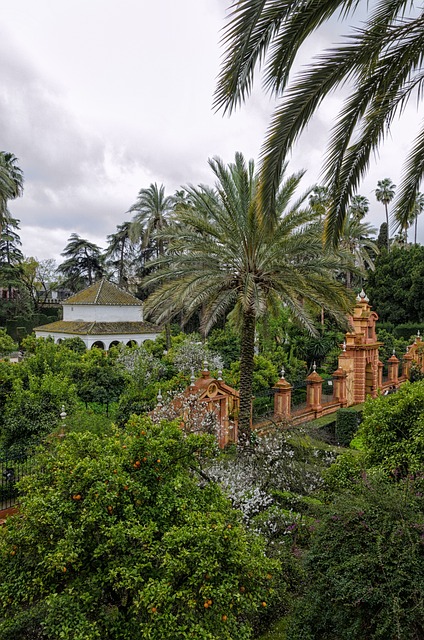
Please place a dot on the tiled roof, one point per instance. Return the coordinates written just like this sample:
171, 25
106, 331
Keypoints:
98, 328
103, 292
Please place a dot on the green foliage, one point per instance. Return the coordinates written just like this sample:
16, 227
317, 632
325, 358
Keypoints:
265, 374
347, 422
365, 567
34, 411
116, 538
7, 345
408, 330
391, 342
44, 356
74, 344
392, 430
396, 287
99, 377
344, 471
226, 342
139, 401
88, 420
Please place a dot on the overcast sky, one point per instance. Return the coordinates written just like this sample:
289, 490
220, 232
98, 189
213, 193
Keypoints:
100, 98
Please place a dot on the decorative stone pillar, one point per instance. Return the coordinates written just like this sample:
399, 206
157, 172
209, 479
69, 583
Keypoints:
380, 374
314, 391
393, 369
406, 366
282, 397
339, 387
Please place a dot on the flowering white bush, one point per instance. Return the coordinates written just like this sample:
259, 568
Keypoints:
190, 356
142, 365
256, 477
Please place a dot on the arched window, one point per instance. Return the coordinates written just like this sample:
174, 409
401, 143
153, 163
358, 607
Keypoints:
98, 345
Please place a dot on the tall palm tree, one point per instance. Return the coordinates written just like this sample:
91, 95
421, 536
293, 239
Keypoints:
11, 183
222, 258
418, 209
385, 192
357, 241
151, 212
382, 61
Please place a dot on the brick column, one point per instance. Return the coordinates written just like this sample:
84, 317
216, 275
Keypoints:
314, 391
406, 368
380, 374
282, 397
339, 386
393, 369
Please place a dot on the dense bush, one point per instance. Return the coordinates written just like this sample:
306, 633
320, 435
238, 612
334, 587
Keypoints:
347, 422
365, 567
392, 430
119, 537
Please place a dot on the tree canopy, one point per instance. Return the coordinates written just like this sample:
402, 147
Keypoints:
382, 61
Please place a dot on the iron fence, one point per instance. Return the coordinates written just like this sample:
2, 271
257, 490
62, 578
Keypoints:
12, 469
263, 404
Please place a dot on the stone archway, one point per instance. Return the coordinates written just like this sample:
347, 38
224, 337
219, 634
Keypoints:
114, 343
98, 345
131, 343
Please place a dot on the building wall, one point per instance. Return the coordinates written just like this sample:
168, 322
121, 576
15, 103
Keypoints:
102, 313
106, 340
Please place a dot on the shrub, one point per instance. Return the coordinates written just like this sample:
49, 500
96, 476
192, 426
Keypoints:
347, 422
365, 567
119, 537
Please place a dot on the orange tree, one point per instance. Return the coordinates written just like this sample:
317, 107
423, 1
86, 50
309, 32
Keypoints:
121, 537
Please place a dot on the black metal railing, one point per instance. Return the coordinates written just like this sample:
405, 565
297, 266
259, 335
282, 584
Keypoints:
263, 404
12, 469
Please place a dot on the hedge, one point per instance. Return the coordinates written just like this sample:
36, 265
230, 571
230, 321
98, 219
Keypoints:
347, 423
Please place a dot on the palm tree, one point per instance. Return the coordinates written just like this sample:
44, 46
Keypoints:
359, 207
83, 264
357, 241
223, 258
382, 61
11, 183
418, 208
151, 210
320, 200
415, 212
385, 193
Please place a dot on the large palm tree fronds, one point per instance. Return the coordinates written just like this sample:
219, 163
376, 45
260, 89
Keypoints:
223, 255
150, 212
382, 62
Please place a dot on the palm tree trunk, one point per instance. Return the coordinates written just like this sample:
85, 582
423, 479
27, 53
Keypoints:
246, 375
387, 220
415, 229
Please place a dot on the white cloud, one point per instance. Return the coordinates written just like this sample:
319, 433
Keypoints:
99, 99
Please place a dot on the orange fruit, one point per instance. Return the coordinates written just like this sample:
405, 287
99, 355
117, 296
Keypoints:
224, 617
264, 604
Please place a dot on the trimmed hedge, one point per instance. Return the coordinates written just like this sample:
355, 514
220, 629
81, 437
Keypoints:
408, 329
347, 423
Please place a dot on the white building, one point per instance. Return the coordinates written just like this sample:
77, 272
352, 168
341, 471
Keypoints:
101, 315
